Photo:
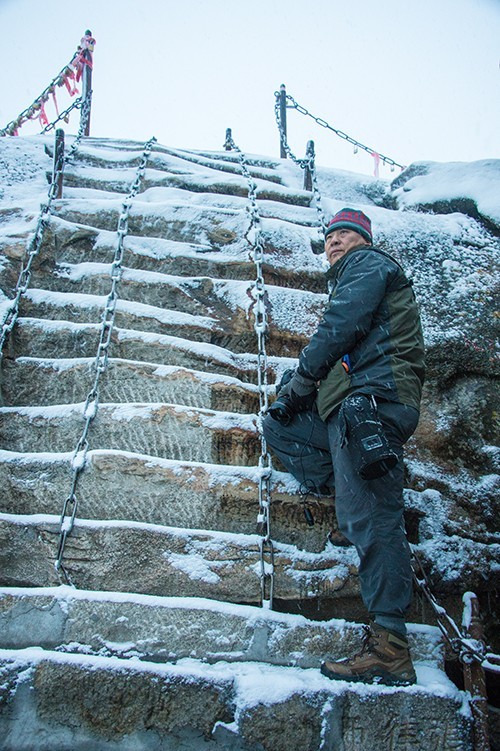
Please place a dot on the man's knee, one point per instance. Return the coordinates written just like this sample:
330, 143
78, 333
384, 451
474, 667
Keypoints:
270, 429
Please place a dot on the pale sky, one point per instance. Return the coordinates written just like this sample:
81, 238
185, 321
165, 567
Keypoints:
413, 79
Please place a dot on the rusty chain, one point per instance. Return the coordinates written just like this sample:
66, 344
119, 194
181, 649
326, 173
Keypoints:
91, 405
468, 650
253, 235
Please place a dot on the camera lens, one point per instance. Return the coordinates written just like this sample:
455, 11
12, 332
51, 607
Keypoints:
281, 410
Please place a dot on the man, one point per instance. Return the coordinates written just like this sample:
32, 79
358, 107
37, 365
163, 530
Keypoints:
350, 406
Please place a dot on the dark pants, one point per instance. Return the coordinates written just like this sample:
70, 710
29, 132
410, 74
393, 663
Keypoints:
369, 512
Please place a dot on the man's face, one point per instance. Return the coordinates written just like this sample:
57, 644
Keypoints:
340, 241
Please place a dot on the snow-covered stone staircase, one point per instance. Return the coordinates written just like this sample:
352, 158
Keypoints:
162, 643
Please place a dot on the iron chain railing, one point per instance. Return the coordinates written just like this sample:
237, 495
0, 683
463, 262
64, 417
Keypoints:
91, 405
77, 104
340, 133
68, 76
469, 647
254, 237
84, 117
466, 649
23, 281
307, 163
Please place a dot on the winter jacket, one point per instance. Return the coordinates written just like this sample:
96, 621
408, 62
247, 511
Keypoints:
370, 338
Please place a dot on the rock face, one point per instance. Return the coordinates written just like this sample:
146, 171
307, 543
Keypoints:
161, 641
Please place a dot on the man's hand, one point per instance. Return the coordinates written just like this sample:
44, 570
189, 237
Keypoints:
301, 392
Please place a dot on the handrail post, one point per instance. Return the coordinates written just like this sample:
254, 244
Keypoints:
283, 153
87, 76
58, 166
229, 137
474, 677
307, 171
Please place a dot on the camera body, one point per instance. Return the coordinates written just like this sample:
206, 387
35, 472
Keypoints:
282, 410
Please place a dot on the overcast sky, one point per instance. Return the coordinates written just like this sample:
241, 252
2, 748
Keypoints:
413, 79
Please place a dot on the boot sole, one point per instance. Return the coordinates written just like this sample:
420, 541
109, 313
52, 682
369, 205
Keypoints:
379, 676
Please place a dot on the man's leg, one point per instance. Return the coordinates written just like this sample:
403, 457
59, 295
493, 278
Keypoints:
303, 448
370, 514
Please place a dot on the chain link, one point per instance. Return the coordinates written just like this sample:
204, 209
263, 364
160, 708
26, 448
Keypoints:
307, 163
91, 405
253, 235
340, 133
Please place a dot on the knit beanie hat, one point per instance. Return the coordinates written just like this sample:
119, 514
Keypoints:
351, 219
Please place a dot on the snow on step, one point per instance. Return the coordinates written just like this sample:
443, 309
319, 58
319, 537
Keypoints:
171, 628
154, 559
62, 339
82, 308
206, 181
230, 302
223, 255
135, 487
170, 431
83, 701
176, 161
191, 217
33, 380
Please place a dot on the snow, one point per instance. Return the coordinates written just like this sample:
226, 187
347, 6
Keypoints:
478, 181
254, 683
137, 309
452, 258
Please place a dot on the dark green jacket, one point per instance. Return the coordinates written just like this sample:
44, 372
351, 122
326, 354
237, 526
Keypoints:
370, 338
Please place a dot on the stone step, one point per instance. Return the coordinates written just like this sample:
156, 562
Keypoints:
114, 170
234, 331
31, 380
158, 175
172, 628
230, 302
34, 337
179, 216
164, 430
224, 256
121, 556
172, 160
61, 701
134, 487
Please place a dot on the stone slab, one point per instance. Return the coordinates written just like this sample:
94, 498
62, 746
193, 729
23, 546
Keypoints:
164, 430
151, 559
167, 629
72, 701
129, 486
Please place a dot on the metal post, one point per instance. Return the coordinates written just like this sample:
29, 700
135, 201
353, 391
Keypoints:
87, 80
58, 167
283, 118
307, 172
229, 137
475, 680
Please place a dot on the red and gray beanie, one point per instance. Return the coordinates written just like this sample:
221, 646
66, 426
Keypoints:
351, 219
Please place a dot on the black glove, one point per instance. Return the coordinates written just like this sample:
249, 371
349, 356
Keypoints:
296, 394
285, 378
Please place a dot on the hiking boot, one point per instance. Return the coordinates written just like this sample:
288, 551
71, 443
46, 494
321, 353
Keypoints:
383, 658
